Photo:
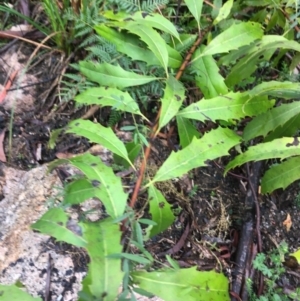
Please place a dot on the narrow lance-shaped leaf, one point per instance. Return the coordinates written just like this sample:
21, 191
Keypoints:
104, 275
270, 120
234, 37
108, 187
54, 223
112, 76
154, 41
112, 97
195, 8
224, 12
97, 133
279, 148
225, 107
208, 78
186, 131
212, 145
171, 101
183, 284
160, 210
281, 175
78, 191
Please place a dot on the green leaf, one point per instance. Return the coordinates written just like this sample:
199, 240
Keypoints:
108, 187
133, 257
160, 211
186, 131
289, 129
112, 97
208, 78
259, 52
13, 292
104, 275
130, 45
99, 134
54, 223
195, 8
227, 107
286, 90
184, 284
281, 175
133, 150
154, 41
171, 101
224, 12
78, 191
269, 121
279, 148
234, 37
212, 145
113, 76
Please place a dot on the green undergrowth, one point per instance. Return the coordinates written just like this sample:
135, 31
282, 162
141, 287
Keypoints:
254, 117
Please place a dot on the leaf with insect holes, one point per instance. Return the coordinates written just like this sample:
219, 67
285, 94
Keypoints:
54, 223
171, 101
160, 210
237, 35
113, 76
270, 120
281, 175
113, 97
104, 275
279, 148
97, 133
108, 187
154, 41
186, 131
212, 145
183, 284
226, 107
14, 292
195, 8
208, 78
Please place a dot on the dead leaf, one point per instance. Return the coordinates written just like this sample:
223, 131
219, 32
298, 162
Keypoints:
2, 153
288, 222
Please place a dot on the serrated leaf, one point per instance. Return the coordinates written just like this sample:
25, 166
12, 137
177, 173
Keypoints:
195, 8
289, 129
230, 106
171, 101
154, 41
281, 175
234, 37
54, 223
212, 145
99, 134
155, 20
259, 52
286, 90
160, 210
112, 97
183, 284
224, 12
279, 148
130, 45
186, 131
78, 191
113, 76
270, 120
104, 275
13, 292
208, 78
108, 187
